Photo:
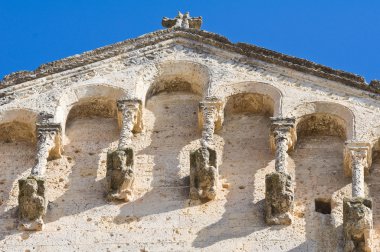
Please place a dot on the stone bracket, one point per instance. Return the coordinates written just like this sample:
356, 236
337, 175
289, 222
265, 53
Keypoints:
214, 103
357, 224
133, 104
279, 198
285, 125
203, 174
32, 203
349, 149
120, 175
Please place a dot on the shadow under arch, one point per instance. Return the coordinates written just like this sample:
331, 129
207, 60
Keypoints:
88, 101
179, 75
171, 132
317, 162
18, 125
91, 129
17, 155
271, 96
247, 158
323, 117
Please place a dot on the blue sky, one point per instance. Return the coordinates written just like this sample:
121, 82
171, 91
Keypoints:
341, 34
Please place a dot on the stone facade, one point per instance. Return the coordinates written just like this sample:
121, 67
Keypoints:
180, 140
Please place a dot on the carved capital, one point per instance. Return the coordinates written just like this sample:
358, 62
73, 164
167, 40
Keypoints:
357, 154
210, 109
282, 129
50, 135
130, 108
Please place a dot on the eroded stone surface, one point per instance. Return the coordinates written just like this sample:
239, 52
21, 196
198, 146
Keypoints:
170, 71
279, 197
279, 194
182, 21
203, 174
120, 174
203, 162
32, 203
357, 224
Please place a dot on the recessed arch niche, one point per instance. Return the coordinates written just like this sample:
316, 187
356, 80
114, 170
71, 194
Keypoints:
324, 118
256, 97
180, 76
18, 125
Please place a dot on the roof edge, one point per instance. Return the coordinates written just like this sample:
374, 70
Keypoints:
245, 49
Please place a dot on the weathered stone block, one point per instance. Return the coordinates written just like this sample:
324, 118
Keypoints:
120, 175
357, 224
203, 174
279, 197
32, 203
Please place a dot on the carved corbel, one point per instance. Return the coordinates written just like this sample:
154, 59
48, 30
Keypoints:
203, 161
32, 202
279, 193
357, 224
120, 174
357, 211
120, 162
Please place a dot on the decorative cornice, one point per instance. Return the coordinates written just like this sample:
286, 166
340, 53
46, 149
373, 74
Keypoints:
250, 51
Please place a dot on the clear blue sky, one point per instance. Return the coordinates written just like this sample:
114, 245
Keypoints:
343, 34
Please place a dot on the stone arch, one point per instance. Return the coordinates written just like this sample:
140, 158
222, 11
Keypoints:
325, 118
18, 125
185, 76
87, 101
266, 98
249, 103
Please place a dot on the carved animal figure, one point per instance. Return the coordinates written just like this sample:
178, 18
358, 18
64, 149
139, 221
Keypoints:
32, 204
120, 175
203, 174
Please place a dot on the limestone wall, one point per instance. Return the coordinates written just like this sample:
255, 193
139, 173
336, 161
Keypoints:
171, 79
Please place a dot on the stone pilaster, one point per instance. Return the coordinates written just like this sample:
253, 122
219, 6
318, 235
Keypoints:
130, 120
203, 162
357, 211
48, 146
357, 161
279, 193
32, 202
120, 162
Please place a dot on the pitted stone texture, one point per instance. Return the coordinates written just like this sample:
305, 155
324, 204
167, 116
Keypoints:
160, 218
279, 197
130, 120
120, 174
182, 21
203, 174
357, 224
32, 203
163, 218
